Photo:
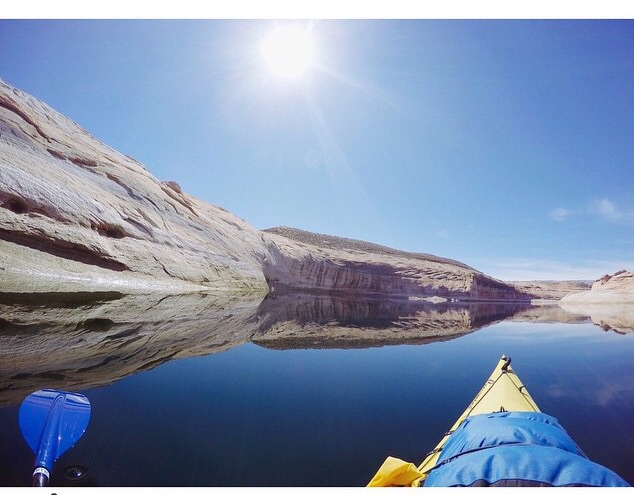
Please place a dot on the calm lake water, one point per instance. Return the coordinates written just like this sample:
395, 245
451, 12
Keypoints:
308, 396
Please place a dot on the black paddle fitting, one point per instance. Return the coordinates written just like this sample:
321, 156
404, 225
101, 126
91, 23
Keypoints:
507, 362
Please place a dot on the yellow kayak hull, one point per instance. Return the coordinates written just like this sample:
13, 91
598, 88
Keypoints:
503, 391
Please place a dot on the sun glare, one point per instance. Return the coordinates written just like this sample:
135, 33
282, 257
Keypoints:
288, 51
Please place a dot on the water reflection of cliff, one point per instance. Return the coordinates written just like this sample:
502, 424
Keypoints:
81, 341
300, 320
77, 342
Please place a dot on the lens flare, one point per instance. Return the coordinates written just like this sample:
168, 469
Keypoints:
288, 51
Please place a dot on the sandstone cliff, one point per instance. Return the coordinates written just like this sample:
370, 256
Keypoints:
612, 289
610, 302
552, 290
75, 214
304, 260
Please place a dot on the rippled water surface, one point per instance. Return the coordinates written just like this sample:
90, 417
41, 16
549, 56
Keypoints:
298, 391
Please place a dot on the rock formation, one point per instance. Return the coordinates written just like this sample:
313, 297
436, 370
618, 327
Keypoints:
609, 289
552, 290
303, 260
610, 302
75, 215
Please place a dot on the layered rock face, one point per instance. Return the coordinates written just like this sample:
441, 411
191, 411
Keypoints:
304, 260
74, 214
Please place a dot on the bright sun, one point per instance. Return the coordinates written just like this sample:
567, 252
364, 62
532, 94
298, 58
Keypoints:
288, 51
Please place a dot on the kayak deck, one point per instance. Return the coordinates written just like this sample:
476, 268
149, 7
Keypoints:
503, 391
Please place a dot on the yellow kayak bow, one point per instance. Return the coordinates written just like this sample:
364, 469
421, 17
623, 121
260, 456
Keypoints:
503, 391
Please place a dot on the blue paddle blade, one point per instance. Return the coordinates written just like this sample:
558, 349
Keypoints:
52, 421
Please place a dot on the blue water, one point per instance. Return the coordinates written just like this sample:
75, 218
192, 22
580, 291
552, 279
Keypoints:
252, 416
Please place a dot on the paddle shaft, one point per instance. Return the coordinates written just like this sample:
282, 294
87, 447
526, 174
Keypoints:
47, 453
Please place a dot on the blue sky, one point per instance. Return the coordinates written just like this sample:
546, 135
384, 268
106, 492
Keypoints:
505, 144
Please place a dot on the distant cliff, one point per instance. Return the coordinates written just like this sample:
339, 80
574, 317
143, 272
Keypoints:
76, 215
304, 260
609, 304
551, 289
609, 289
